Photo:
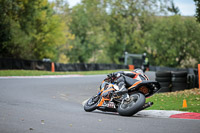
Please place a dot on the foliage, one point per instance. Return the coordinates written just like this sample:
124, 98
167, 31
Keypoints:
30, 29
109, 28
98, 31
87, 19
197, 3
173, 40
173, 9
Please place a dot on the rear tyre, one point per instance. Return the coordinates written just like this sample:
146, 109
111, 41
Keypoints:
129, 108
91, 104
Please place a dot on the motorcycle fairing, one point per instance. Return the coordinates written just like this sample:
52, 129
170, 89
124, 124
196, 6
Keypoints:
105, 94
152, 86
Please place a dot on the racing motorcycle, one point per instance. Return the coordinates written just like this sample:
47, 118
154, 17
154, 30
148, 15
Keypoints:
126, 103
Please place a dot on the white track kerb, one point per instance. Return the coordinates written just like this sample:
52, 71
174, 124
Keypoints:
158, 113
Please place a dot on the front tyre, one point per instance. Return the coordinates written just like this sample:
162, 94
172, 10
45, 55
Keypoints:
91, 104
131, 106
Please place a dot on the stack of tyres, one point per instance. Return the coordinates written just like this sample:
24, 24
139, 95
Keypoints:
196, 78
191, 81
164, 78
179, 81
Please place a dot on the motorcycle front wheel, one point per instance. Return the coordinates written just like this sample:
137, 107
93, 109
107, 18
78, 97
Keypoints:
91, 104
131, 106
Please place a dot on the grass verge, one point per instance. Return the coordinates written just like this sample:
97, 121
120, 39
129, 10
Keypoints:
174, 101
39, 73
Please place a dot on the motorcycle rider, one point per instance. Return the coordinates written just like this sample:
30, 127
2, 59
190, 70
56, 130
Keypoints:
124, 79
109, 98
145, 64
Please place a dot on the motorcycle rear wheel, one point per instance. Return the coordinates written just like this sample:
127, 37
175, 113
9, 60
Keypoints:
131, 107
91, 104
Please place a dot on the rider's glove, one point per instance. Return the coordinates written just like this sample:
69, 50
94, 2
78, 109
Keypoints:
114, 75
110, 75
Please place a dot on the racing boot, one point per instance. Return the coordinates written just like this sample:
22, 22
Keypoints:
124, 92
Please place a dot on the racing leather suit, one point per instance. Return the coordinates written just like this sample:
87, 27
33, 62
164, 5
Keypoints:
124, 79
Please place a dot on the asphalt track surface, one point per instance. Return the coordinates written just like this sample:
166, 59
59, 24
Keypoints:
54, 105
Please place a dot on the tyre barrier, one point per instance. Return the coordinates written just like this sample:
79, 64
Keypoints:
11, 63
179, 81
196, 78
196, 81
191, 80
175, 80
164, 78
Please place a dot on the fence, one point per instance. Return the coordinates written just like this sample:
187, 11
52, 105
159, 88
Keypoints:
8, 63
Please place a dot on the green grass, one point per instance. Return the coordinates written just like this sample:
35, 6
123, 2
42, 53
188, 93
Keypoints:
39, 73
174, 101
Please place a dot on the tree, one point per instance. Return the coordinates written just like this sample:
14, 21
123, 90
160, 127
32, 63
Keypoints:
45, 27
10, 29
31, 30
173, 40
86, 22
197, 3
129, 21
108, 28
173, 9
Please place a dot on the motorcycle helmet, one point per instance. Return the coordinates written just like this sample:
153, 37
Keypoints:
138, 71
141, 74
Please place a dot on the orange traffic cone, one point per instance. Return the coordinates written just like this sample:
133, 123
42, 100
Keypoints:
184, 104
131, 67
52, 67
